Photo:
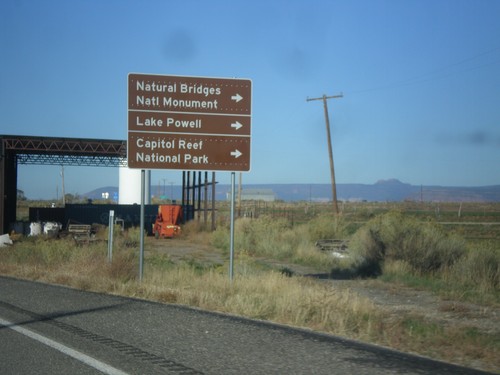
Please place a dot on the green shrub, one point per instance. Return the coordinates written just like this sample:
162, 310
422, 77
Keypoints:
424, 246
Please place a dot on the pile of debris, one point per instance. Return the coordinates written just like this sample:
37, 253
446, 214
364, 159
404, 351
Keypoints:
5, 240
337, 248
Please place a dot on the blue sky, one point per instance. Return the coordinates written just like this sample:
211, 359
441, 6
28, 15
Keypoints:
421, 82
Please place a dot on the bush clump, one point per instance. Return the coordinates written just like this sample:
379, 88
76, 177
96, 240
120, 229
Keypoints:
368, 252
424, 246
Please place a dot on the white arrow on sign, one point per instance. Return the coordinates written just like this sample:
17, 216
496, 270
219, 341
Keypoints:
236, 98
236, 153
236, 125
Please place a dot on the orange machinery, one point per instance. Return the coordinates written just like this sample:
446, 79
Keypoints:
167, 224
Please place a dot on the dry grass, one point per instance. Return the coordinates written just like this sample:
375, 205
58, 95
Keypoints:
267, 295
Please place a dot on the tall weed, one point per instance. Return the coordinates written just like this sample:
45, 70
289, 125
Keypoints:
40, 251
327, 226
276, 239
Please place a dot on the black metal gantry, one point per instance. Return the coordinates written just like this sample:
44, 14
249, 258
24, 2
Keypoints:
16, 150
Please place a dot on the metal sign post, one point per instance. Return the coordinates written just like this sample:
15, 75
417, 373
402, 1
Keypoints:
141, 238
231, 230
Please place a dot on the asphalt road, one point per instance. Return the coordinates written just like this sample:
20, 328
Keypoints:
46, 329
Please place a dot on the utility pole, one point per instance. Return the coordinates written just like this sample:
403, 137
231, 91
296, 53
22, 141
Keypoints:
329, 140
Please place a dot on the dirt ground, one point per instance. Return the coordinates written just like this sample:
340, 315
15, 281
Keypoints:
394, 299
183, 250
398, 300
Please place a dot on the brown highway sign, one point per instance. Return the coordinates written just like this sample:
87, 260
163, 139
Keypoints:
162, 122
190, 123
185, 151
189, 94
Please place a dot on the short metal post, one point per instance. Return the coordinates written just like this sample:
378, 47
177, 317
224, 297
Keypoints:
110, 235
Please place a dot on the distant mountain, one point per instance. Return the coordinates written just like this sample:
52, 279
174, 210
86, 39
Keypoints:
391, 190
382, 191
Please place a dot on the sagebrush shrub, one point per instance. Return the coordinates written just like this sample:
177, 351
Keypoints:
424, 246
368, 252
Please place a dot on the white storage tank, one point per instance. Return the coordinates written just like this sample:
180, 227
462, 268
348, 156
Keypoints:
129, 188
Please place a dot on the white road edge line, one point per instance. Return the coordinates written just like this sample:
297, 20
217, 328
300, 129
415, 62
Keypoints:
98, 365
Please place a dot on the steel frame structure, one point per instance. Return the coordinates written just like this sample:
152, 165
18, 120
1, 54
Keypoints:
16, 150
66, 151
